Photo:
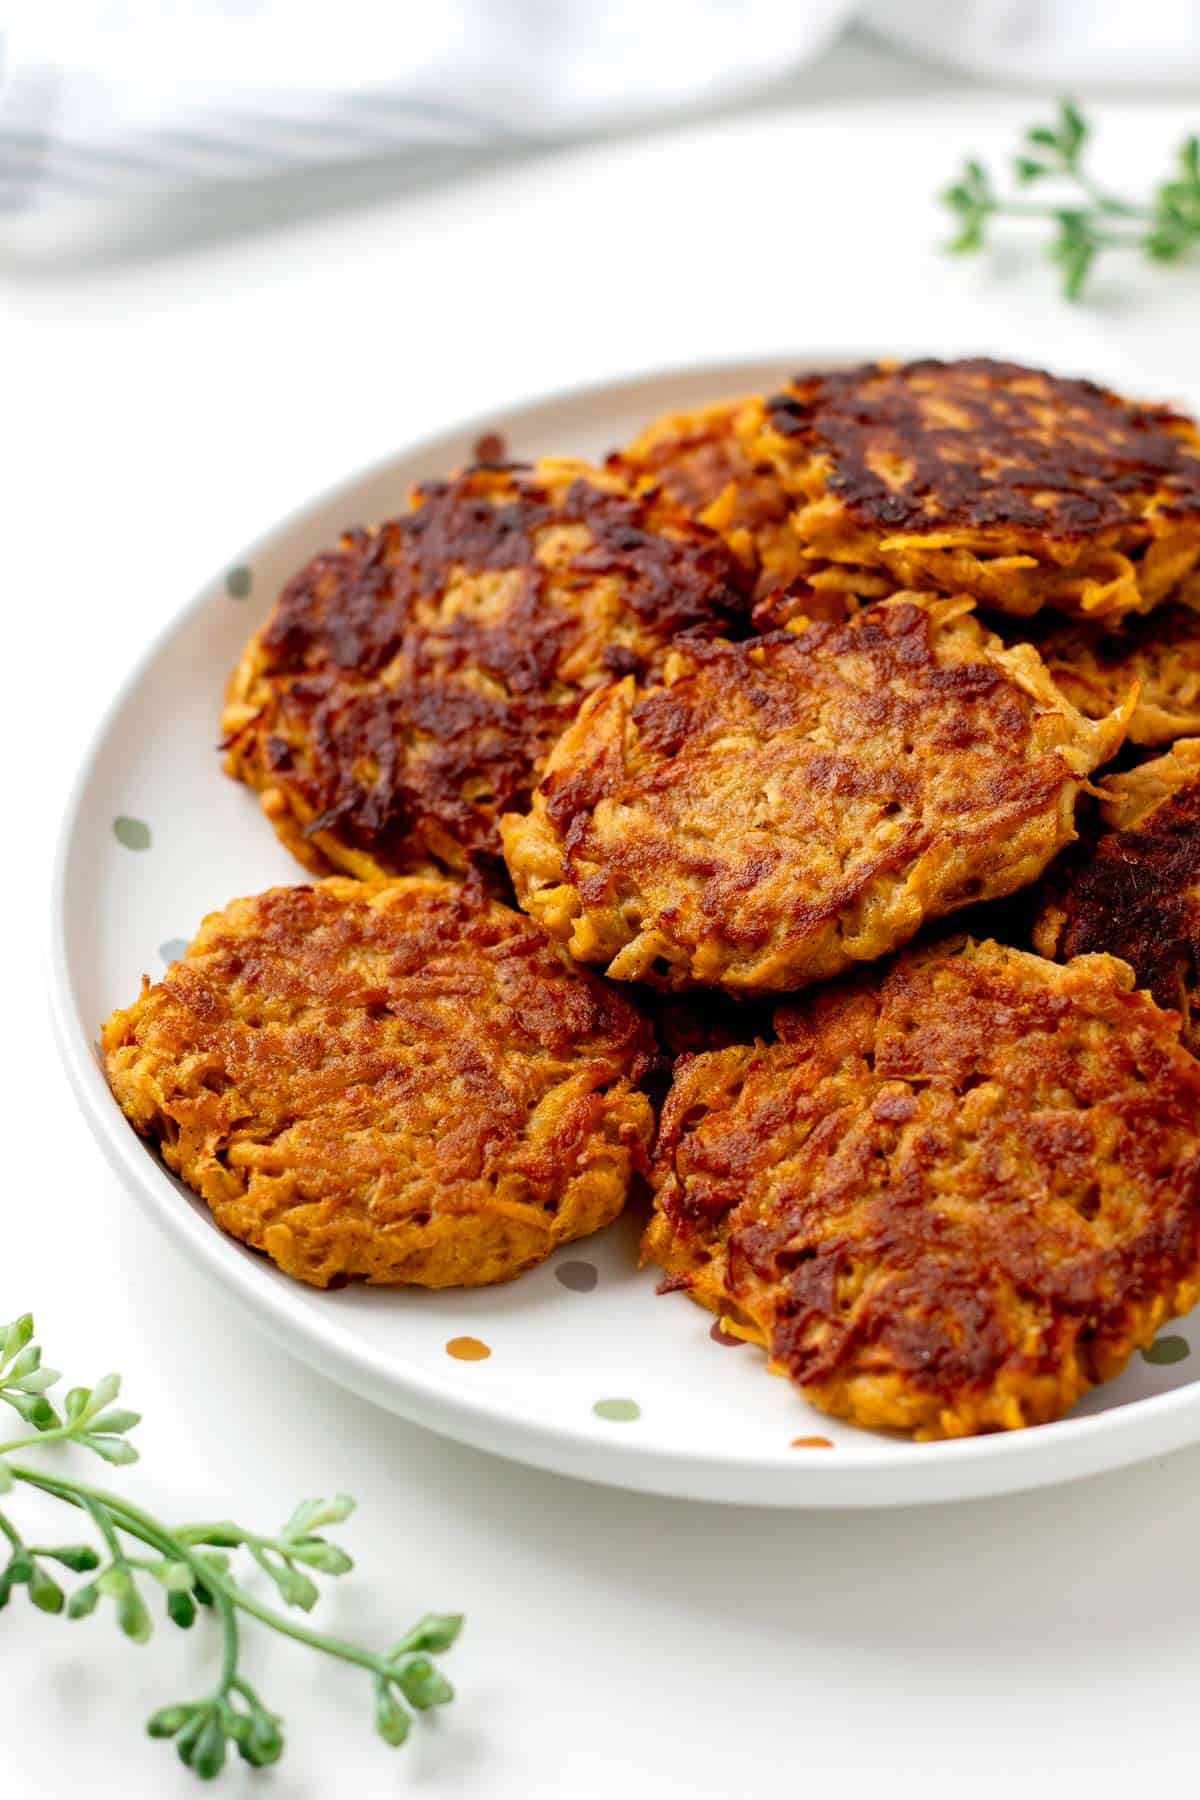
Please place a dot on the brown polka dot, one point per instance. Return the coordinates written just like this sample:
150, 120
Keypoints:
467, 1349
812, 1443
490, 448
720, 1336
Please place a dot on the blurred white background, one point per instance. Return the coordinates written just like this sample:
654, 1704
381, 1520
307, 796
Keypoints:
189, 351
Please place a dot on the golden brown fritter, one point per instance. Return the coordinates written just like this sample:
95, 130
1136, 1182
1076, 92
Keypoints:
776, 810
1135, 891
1160, 655
952, 1197
1018, 487
699, 460
395, 1082
408, 684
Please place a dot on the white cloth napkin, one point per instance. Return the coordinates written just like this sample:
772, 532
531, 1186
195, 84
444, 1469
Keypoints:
103, 99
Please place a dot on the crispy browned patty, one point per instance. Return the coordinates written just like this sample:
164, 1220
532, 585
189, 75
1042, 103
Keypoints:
1159, 655
407, 685
1018, 487
701, 460
395, 1082
952, 1197
774, 811
1134, 891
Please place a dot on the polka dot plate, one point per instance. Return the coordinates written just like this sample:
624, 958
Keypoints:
577, 1367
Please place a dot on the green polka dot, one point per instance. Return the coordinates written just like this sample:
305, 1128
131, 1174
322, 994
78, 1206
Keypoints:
580, 1277
238, 582
618, 1412
133, 833
1167, 1350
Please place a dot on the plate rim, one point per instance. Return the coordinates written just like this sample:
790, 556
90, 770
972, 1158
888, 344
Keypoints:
887, 1472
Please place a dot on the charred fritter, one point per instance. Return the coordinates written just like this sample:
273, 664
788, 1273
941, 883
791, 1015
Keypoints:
1018, 487
951, 1197
776, 810
408, 684
701, 460
392, 1082
1135, 891
1158, 655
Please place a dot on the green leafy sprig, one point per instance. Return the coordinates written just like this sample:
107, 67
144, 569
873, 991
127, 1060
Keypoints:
134, 1552
1089, 218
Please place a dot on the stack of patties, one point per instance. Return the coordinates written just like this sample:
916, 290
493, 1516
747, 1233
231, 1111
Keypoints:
724, 720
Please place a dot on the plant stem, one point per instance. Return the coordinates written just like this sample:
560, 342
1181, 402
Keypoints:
57, 1434
1103, 198
141, 1525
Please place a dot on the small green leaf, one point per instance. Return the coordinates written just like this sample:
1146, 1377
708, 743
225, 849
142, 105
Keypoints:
295, 1589
435, 1632
36, 1382
14, 1338
422, 1684
1026, 170
114, 1450
969, 238
262, 1743
315, 1512
392, 1722
310, 1515
315, 1553
181, 1609
1074, 127
226, 1534
1075, 270
79, 1557
168, 1720
104, 1392
83, 1601
1163, 246
44, 1591
75, 1403
193, 1741
208, 1755
1043, 136
24, 1364
958, 199
35, 1409
133, 1618
116, 1421
176, 1577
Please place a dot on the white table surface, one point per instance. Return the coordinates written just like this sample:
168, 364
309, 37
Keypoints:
159, 409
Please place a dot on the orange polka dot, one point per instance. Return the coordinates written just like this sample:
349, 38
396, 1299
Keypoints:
812, 1443
468, 1349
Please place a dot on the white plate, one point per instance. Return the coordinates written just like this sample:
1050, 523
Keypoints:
680, 1413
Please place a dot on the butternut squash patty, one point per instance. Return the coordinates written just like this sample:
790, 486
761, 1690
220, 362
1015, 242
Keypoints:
394, 1082
1134, 890
1019, 487
953, 1196
774, 811
409, 683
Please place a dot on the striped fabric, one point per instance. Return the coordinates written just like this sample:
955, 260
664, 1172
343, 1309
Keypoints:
112, 99
118, 99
